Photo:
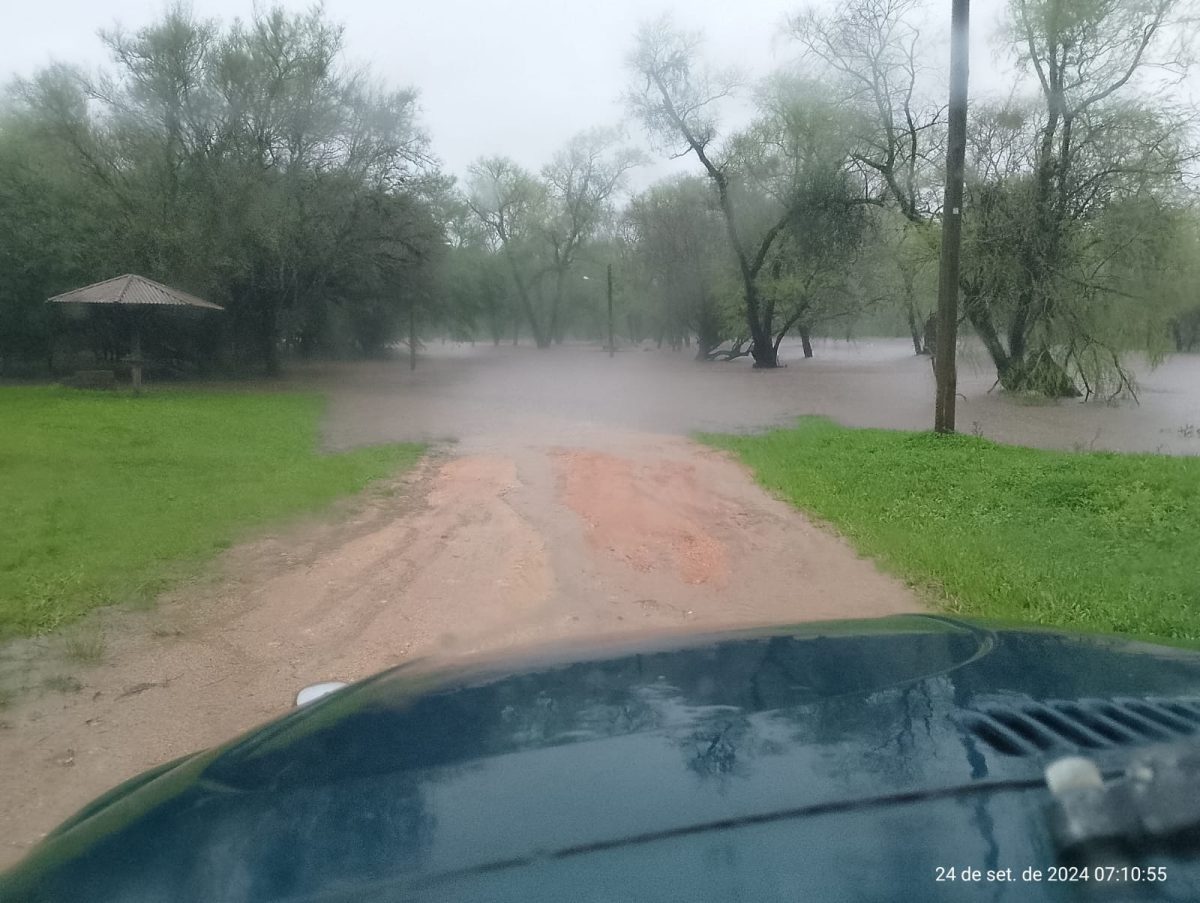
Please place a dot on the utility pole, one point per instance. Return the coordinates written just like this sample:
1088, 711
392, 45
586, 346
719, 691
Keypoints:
612, 345
412, 332
944, 365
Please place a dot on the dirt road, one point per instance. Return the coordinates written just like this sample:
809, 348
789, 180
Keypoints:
509, 540
571, 506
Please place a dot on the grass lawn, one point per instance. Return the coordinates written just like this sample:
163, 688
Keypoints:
1094, 541
109, 498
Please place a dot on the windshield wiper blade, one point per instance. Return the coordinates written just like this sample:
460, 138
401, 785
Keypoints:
1156, 798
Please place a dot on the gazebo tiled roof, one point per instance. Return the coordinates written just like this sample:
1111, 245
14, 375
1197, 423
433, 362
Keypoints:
132, 290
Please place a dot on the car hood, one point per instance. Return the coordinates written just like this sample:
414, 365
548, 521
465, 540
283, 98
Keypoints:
722, 768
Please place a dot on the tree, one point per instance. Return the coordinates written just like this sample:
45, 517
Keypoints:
677, 239
1046, 179
474, 281
873, 48
583, 179
51, 223
796, 157
512, 204
901, 266
540, 224
676, 100
784, 173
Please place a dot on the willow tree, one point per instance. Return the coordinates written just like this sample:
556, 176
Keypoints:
797, 154
869, 52
677, 244
1050, 180
677, 100
541, 223
784, 171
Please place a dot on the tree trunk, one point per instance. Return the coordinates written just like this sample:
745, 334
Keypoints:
555, 331
540, 338
929, 338
1039, 373
762, 349
708, 332
766, 351
914, 329
981, 319
269, 339
806, 341
612, 339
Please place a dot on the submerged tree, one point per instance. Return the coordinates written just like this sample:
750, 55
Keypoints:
540, 224
777, 180
676, 99
796, 157
1049, 184
677, 244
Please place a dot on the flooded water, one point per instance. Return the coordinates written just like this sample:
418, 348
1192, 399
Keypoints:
486, 396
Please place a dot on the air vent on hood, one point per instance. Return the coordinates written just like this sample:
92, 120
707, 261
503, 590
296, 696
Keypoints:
1036, 728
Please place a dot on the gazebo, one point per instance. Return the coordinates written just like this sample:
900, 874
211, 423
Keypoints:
131, 291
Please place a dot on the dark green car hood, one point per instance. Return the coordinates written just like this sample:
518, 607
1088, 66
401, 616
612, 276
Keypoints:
826, 762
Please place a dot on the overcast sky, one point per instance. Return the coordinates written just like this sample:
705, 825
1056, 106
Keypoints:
516, 77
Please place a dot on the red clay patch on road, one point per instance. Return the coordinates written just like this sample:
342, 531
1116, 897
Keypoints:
648, 514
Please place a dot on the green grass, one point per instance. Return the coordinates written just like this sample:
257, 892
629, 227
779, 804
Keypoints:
110, 498
1096, 541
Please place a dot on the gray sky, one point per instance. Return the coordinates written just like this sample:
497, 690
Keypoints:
517, 77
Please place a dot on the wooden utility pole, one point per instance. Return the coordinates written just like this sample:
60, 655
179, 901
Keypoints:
612, 345
944, 365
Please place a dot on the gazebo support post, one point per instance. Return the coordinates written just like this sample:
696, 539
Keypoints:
136, 357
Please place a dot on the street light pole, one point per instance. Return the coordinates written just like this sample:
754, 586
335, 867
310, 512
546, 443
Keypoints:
612, 345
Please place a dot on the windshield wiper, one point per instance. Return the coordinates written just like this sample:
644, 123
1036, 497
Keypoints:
1155, 799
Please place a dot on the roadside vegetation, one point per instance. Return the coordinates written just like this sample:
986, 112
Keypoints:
1093, 541
109, 498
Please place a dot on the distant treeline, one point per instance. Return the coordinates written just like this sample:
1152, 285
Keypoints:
245, 164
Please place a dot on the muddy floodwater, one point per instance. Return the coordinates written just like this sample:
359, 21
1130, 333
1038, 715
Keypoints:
484, 395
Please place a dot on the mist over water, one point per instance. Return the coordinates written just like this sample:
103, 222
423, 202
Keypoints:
487, 396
